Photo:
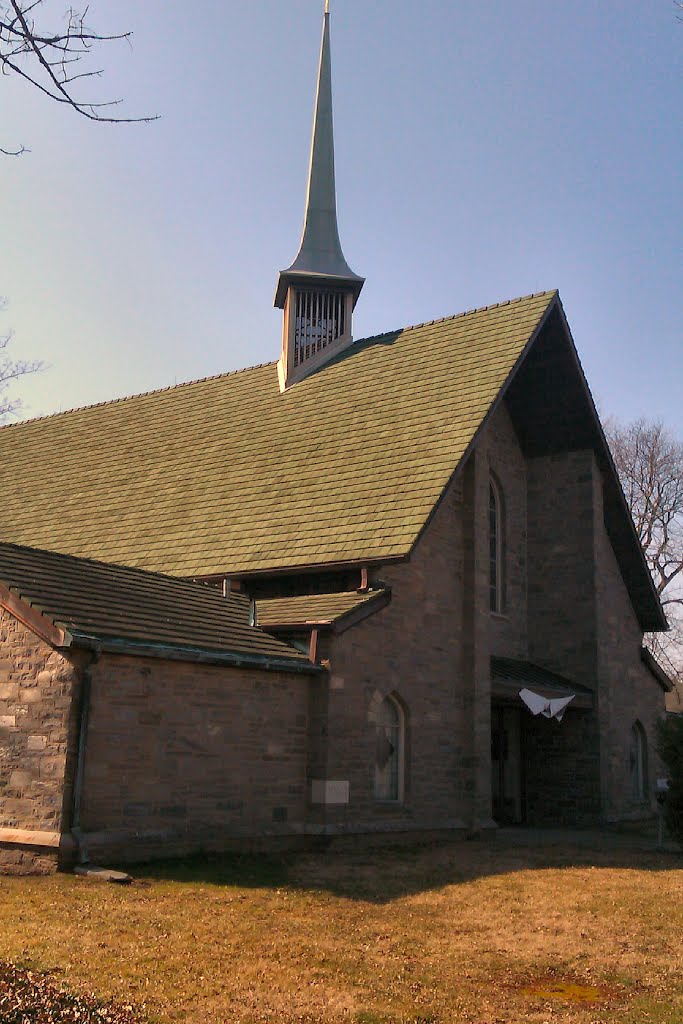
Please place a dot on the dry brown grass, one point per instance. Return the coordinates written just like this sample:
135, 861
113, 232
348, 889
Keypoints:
461, 932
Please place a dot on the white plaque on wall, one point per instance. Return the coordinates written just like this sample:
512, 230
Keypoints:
325, 791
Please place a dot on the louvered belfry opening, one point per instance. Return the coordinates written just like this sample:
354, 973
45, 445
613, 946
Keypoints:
319, 291
320, 319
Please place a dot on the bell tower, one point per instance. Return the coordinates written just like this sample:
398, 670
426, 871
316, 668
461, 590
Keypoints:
319, 291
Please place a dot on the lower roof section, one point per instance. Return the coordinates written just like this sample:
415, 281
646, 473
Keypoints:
97, 604
334, 611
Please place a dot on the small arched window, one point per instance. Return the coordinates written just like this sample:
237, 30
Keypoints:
496, 548
389, 751
638, 763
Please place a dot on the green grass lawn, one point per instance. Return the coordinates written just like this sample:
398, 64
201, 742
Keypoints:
465, 931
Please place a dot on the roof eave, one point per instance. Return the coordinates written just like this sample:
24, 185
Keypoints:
652, 620
304, 567
347, 282
34, 618
656, 670
203, 655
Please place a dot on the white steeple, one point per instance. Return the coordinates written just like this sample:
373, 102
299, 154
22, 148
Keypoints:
319, 291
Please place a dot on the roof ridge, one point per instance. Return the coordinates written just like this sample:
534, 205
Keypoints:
458, 316
138, 394
272, 362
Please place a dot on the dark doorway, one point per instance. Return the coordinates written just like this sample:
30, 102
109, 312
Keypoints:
506, 766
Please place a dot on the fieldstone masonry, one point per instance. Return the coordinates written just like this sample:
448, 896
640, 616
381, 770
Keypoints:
37, 690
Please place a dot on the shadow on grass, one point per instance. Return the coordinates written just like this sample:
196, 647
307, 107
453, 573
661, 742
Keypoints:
383, 874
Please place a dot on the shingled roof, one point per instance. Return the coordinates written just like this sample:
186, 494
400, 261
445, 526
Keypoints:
228, 476
336, 610
120, 607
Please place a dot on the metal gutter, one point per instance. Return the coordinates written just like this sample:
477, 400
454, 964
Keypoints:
206, 656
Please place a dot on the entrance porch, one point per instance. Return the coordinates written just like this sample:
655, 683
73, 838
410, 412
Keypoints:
544, 770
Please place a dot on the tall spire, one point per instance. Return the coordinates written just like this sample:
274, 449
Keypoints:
320, 266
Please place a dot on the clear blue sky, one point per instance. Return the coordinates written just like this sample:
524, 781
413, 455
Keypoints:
484, 151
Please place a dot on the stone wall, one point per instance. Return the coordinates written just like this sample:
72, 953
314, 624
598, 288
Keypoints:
562, 597
183, 756
629, 693
431, 648
561, 769
37, 727
507, 465
413, 650
582, 624
562, 760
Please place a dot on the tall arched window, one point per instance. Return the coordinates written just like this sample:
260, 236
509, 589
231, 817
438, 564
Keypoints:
638, 763
496, 548
389, 751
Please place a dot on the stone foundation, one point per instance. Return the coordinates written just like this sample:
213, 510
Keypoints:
28, 860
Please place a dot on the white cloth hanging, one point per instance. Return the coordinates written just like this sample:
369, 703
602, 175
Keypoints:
538, 705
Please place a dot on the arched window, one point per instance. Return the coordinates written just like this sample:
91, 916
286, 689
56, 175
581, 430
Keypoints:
496, 548
638, 763
389, 751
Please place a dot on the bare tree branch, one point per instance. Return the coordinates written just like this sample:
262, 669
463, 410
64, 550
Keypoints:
43, 58
10, 371
650, 466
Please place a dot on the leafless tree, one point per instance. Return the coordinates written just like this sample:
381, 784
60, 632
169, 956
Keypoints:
54, 60
650, 466
10, 371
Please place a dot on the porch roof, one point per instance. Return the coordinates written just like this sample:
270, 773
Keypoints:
509, 676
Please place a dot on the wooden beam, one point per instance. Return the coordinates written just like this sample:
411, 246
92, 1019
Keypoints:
33, 619
30, 837
313, 647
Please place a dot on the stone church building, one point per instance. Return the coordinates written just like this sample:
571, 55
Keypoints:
302, 599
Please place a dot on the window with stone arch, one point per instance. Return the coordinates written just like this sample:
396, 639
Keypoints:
389, 751
637, 760
496, 547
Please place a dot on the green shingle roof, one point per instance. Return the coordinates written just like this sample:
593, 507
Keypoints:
314, 609
227, 475
107, 602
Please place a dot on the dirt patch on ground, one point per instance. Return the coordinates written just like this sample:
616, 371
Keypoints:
574, 992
